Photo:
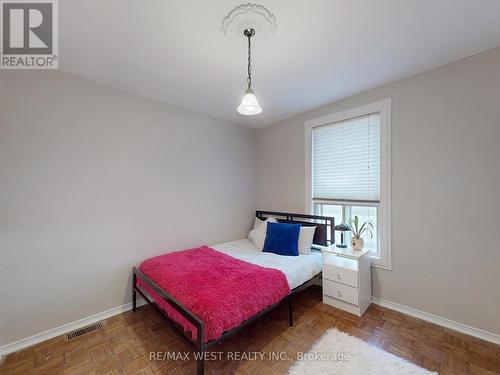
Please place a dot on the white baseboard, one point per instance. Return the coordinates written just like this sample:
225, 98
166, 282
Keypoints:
61, 330
460, 327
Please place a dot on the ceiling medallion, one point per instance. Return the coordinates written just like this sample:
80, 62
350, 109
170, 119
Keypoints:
247, 16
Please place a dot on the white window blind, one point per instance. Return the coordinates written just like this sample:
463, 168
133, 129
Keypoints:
346, 160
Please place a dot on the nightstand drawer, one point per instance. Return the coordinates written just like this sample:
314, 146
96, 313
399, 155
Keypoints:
340, 291
344, 275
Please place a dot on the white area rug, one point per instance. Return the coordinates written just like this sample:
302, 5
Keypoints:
337, 353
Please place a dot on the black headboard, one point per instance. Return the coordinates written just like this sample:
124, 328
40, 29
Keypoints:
324, 234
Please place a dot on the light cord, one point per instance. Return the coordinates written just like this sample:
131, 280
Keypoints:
249, 78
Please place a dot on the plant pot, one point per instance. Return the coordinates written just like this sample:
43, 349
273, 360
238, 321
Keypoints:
357, 243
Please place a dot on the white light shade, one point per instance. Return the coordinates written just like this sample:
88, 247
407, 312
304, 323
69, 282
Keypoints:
249, 104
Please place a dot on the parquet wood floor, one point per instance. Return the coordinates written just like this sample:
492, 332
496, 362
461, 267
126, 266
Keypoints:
123, 346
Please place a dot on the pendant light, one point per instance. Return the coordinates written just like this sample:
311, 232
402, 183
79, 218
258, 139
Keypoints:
249, 104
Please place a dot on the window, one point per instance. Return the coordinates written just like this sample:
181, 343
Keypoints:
348, 171
342, 212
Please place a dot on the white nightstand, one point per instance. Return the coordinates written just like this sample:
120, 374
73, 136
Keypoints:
347, 281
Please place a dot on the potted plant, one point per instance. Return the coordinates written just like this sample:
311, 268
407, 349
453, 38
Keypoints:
357, 242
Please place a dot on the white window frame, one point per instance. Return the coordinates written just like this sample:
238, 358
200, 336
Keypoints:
384, 257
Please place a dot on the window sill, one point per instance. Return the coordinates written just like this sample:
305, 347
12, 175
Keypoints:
377, 263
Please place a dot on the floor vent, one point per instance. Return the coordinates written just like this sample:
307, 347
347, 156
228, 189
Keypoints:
83, 331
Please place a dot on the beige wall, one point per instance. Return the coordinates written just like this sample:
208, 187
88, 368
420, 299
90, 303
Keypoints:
445, 187
92, 180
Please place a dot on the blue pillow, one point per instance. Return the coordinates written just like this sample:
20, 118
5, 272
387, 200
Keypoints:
282, 239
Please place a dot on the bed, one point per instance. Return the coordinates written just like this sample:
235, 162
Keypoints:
215, 307
297, 270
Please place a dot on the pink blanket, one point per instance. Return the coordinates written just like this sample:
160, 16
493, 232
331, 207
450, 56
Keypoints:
220, 290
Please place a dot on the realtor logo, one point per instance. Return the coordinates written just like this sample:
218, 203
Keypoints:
29, 34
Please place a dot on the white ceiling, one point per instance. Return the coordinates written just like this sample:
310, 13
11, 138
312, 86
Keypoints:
323, 50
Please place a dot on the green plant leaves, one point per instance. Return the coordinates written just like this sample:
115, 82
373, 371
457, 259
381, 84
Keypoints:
357, 232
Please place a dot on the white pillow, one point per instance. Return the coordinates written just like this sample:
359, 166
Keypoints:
258, 234
258, 222
306, 236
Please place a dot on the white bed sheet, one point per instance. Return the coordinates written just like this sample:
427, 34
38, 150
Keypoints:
297, 269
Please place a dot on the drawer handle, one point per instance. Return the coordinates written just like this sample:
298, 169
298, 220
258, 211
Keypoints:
339, 293
339, 276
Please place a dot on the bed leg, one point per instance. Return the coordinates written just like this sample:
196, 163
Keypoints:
290, 311
134, 293
200, 348
200, 363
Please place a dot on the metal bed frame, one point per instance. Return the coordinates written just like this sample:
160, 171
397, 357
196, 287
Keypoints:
198, 344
